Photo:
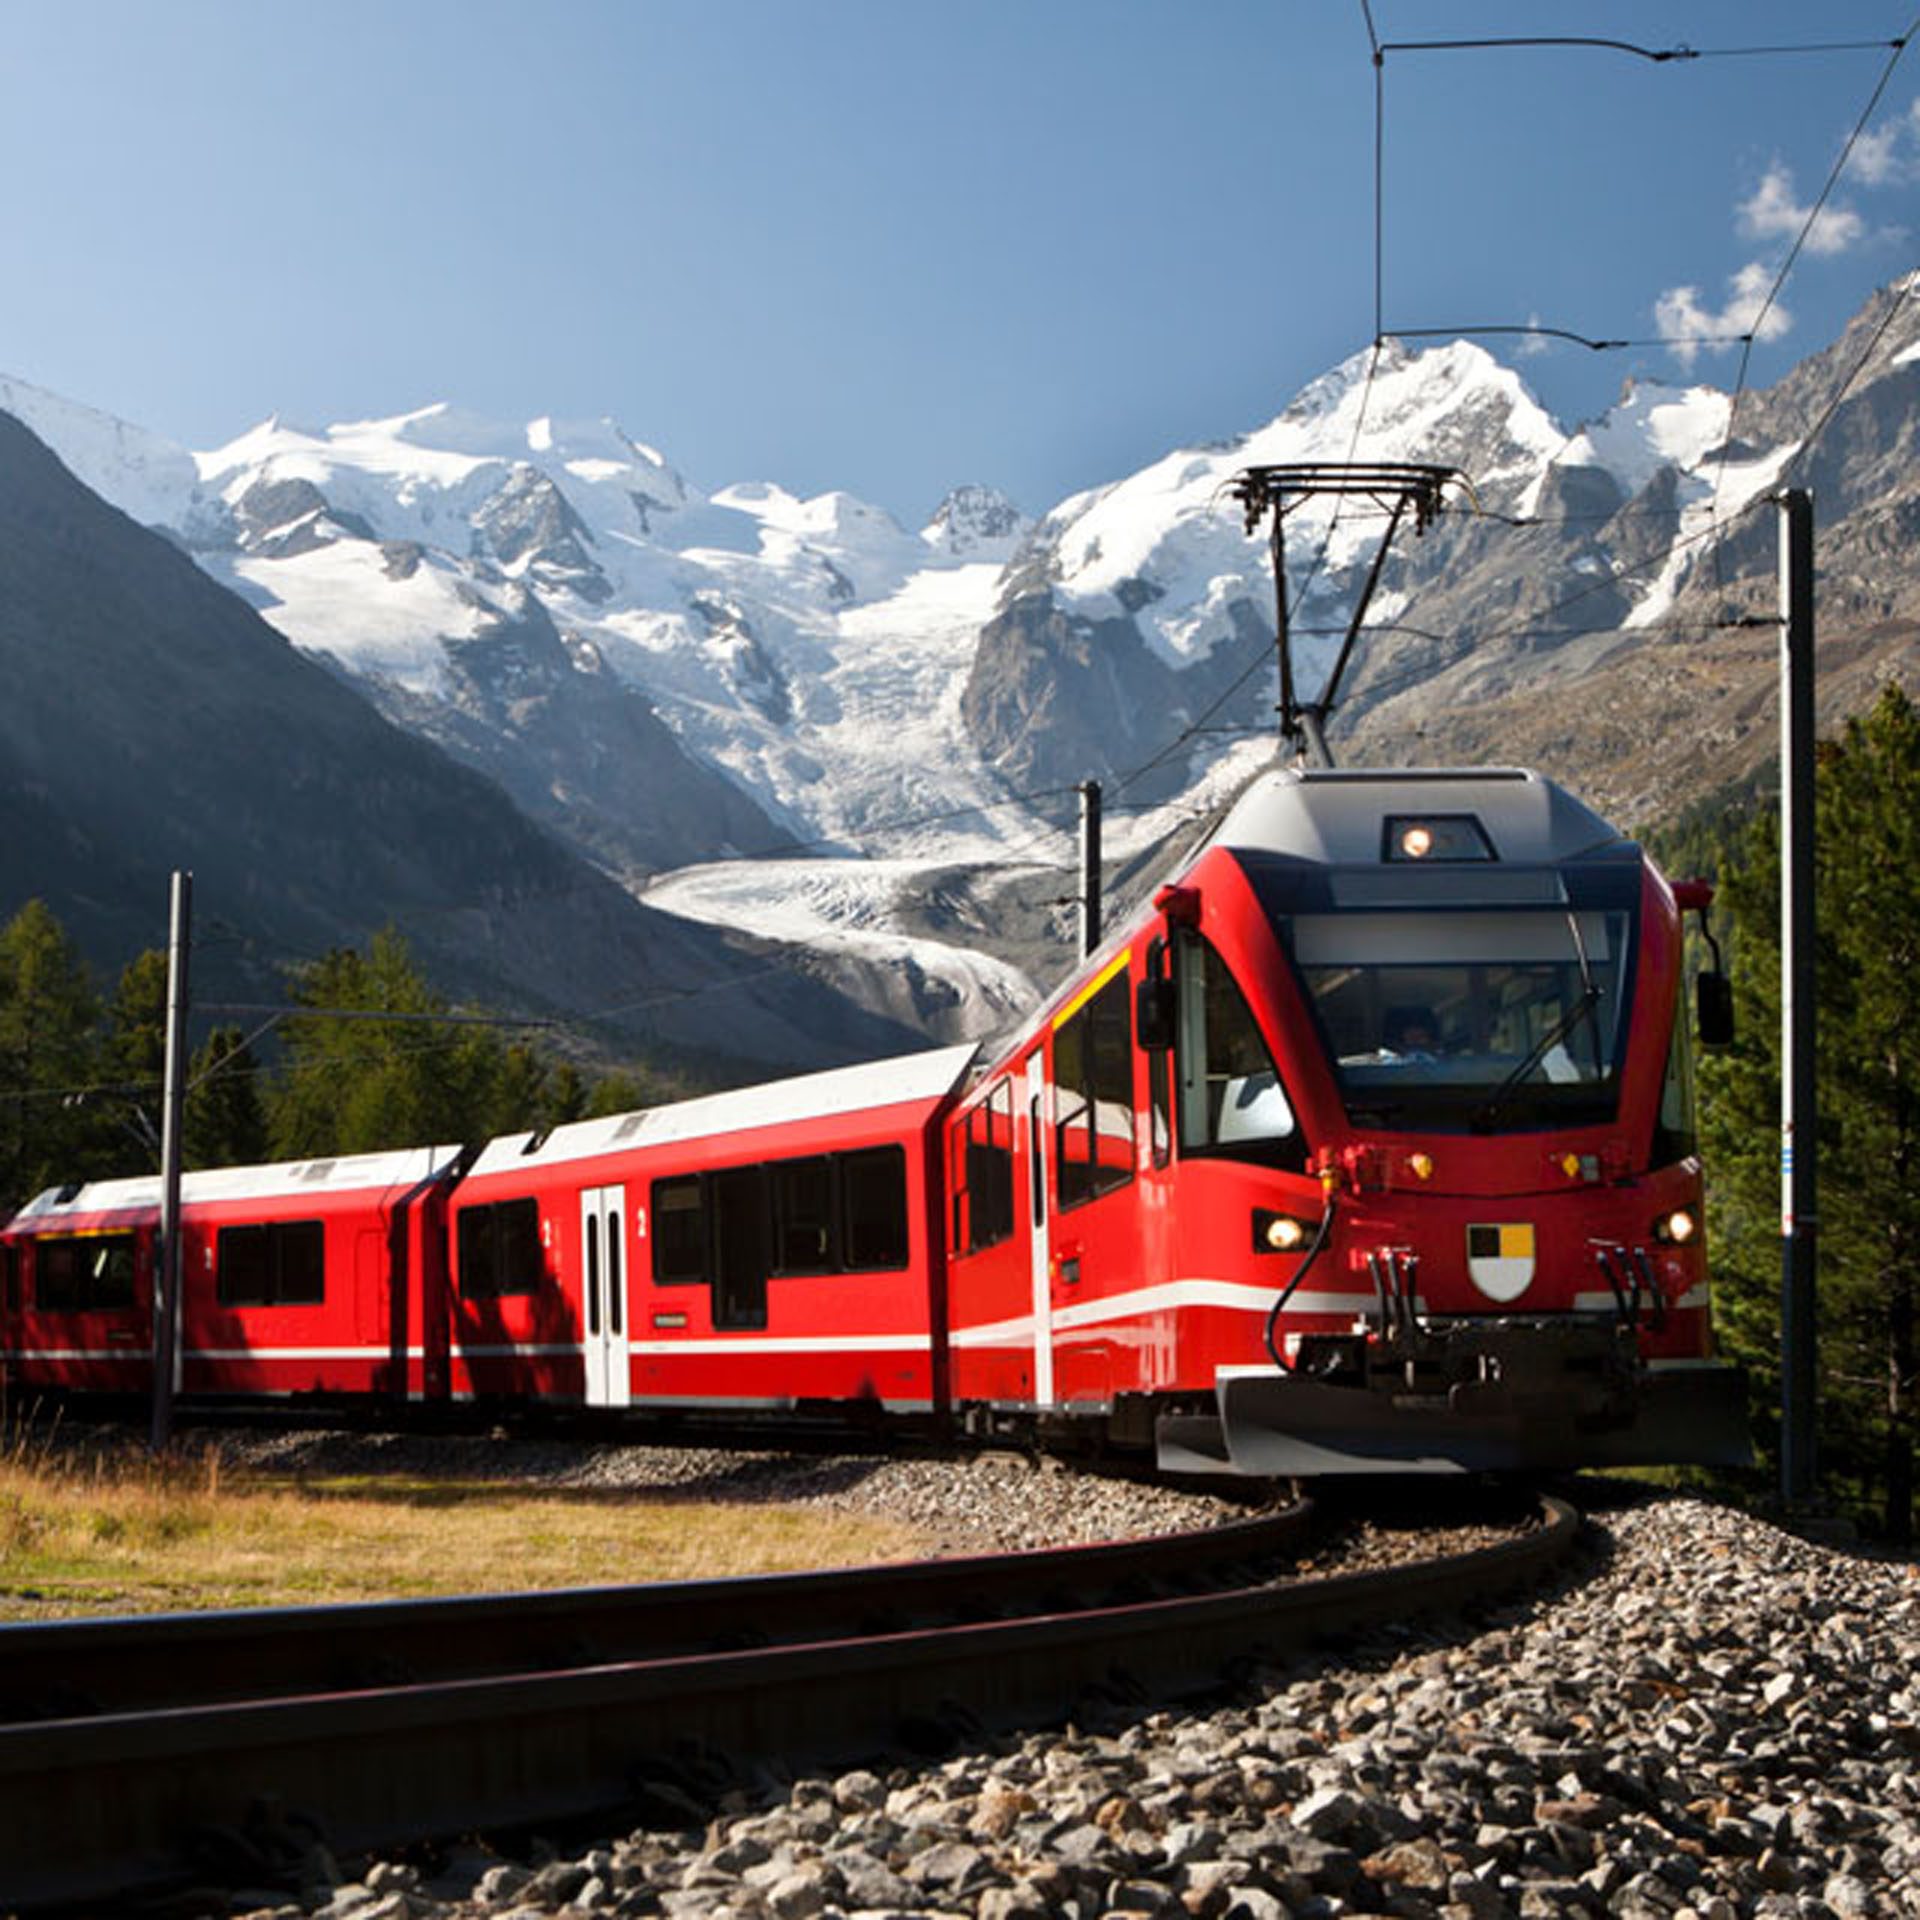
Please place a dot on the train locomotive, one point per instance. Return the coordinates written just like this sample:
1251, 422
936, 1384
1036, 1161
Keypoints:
1367, 1145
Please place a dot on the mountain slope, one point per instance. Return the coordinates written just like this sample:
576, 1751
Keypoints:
152, 720
674, 679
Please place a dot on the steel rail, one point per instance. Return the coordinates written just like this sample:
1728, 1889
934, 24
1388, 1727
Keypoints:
92, 1808
66, 1669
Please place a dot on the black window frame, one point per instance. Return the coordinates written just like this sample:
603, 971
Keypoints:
500, 1250
87, 1291
984, 1173
662, 1205
896, 1253
729, 1228
797, 1217
282, 1262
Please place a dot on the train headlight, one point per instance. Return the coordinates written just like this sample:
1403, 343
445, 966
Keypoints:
1676, 1228
1279, 1232
1439, 837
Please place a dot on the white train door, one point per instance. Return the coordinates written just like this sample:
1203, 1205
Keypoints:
603, 1304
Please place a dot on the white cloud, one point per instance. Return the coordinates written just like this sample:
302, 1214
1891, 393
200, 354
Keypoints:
1688, 326
1773, 213
1888, 156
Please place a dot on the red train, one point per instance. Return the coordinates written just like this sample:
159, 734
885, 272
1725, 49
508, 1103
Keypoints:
1369, 1144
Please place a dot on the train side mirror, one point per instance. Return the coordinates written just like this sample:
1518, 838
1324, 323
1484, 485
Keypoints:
1153, 1013
1713, 1009
1154, 1007
1713, 991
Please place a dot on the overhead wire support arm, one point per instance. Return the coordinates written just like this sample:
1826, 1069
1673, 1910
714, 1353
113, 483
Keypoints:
1396, 488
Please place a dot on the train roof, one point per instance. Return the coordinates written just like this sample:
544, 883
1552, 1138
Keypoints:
338, 1173
1339, 817
914, 1077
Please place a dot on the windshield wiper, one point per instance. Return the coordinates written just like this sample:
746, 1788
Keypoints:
1487, 1113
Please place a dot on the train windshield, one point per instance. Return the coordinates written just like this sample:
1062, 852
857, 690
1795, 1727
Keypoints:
1478, 1020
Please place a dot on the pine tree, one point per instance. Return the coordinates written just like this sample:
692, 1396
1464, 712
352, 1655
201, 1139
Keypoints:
1868, 891
135, 1055
50, 1060
225, 1124
359, 1085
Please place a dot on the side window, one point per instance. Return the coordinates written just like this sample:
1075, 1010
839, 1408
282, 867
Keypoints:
737, 1227
500, 1252
1093, 1094
741, 1244
10, 1276
873, 1188
680, 1231
1676, 1134
1231, 1100
87, 1273
275, 1263
986, 1173
803, 1237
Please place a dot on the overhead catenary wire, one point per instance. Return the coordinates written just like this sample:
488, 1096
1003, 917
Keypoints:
1894, 48
1807, 226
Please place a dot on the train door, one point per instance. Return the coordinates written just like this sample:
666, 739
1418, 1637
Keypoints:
1040, 1239
603, 1304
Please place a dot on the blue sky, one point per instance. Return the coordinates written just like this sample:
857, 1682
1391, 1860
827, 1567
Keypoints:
891, 246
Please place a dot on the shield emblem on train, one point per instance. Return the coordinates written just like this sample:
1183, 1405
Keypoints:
1500, 1260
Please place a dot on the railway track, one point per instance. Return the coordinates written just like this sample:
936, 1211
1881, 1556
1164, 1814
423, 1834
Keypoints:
139, 1754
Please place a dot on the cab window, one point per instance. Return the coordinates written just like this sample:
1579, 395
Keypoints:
1676, 1134
1093, 1095
1231, 1100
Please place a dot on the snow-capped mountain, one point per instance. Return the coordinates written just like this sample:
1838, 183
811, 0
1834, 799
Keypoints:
674, 678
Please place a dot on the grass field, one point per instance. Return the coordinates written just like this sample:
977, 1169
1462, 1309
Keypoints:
90, 1532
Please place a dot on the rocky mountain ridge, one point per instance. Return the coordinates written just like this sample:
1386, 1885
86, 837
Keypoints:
154, 721
678, 681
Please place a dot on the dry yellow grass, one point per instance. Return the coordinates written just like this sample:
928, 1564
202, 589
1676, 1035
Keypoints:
122, 1534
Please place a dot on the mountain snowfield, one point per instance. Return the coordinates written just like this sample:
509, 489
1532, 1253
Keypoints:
814, 652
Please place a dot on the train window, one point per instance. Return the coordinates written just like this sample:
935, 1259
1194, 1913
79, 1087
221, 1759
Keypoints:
738, 1227
803, 1234
1231, 1098
986, 1173
680, 1231
85, 1274
873, 1188
500, 1251
10, 1274
1675, 1134
1476, 1020
740, 1247
1093, 1088
1159, 1070
272, 1263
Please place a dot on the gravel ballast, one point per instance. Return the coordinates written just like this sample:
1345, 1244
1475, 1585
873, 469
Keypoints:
1709, 1717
